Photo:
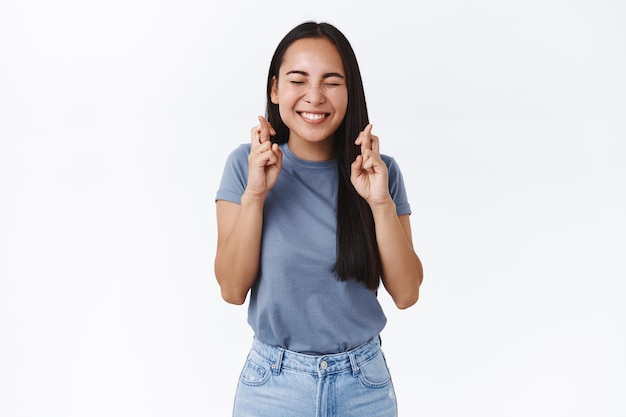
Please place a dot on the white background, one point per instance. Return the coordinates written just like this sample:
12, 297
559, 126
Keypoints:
507, 119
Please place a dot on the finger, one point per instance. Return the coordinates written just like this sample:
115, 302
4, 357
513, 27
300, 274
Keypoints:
271, 158
265, 132
364, 138
356, 167
362, 135
375, 143
255, 135
369, 161
272, 131
278, 155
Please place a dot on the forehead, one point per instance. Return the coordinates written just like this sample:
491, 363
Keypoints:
312, 55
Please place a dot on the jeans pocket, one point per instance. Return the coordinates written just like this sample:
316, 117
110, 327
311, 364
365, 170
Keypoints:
374, 372
256, 371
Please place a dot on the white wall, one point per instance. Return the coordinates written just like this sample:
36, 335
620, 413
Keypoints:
507, 119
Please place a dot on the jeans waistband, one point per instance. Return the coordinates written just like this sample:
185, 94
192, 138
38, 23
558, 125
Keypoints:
280, 358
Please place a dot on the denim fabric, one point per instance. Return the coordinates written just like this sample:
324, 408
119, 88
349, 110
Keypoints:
276, 382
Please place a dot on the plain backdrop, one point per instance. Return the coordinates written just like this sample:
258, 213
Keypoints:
506, 118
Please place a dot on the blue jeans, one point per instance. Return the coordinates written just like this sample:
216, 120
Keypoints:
279, 383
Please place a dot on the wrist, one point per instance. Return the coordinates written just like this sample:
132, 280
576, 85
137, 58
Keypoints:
382, 208
253, 199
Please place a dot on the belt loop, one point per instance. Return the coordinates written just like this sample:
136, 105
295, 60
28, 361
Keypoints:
353, 363
278, 361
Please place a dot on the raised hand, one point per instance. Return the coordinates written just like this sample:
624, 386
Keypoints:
265, 160
369, 173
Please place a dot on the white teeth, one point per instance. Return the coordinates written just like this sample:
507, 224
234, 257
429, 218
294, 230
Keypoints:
313, 116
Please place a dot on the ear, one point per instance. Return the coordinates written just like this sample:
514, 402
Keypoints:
274, 91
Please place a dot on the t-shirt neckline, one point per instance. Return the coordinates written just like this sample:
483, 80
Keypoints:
304, 163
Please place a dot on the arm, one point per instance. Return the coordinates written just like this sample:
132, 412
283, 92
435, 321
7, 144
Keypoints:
239, 226
402, 269
238, 247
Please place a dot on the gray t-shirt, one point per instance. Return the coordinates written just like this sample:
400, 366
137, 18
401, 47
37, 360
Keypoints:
297, 302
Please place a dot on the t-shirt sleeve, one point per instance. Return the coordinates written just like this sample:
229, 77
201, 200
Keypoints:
235, 175
396, 186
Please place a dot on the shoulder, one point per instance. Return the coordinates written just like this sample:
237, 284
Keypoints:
390, 161
387, 158
239, 155
396, 185
243, 150
395, 174
237, 161
234, 176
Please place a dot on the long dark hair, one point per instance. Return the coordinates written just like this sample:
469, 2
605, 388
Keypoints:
357, 250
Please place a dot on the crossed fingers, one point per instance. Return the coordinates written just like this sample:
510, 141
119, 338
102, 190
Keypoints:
370, 146
262, 133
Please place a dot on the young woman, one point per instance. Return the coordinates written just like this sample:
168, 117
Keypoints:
311, 218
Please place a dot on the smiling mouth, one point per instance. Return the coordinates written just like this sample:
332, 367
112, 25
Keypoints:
313, 117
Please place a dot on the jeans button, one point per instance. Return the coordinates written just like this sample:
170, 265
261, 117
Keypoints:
323, 364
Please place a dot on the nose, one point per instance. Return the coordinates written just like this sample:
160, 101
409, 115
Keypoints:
314, 94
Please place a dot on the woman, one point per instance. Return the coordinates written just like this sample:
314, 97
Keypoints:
311, 218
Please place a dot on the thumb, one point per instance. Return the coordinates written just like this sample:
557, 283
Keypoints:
356, 167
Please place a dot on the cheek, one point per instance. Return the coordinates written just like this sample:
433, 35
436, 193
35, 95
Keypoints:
287, 97
341, 106
340, 100
286, 113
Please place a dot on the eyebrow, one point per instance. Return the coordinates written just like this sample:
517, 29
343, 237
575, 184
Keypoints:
306, 74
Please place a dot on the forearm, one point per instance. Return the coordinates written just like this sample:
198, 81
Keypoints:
237, 255
402, 269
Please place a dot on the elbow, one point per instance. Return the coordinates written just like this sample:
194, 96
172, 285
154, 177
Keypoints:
233, 297
406, 301
409, 296
231, 293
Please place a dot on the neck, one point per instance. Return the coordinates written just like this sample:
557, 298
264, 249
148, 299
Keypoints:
312, 151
